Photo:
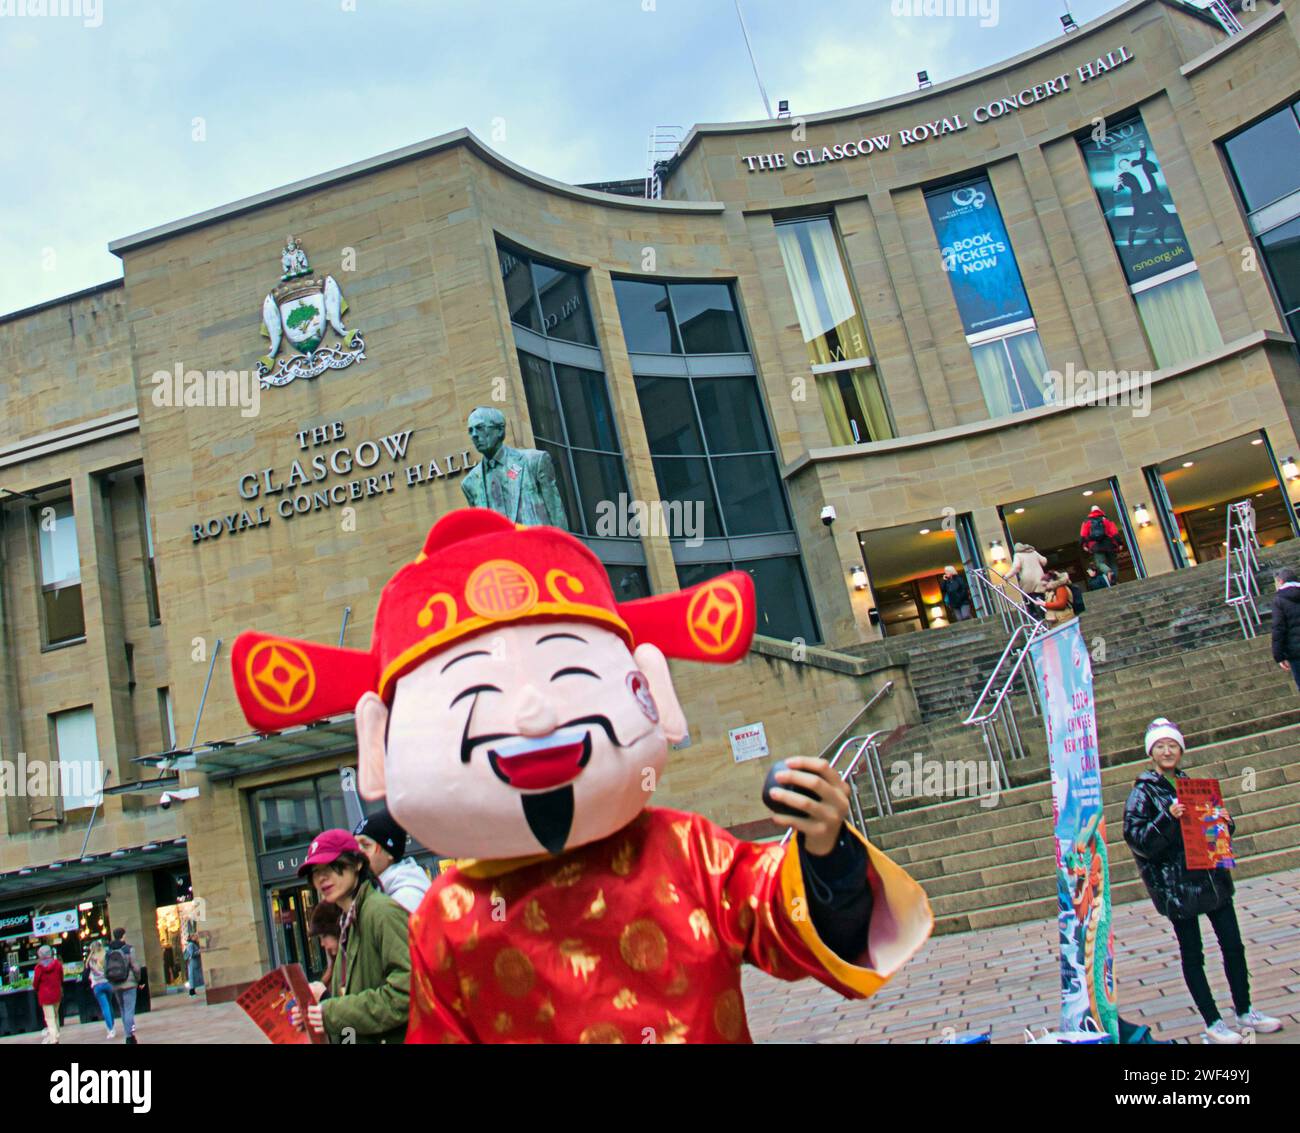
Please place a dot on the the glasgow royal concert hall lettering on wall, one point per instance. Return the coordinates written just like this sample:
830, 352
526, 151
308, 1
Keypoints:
311, 482
941, 127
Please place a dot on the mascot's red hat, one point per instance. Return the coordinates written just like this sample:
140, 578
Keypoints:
478, 571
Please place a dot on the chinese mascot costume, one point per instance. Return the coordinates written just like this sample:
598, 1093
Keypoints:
515, 717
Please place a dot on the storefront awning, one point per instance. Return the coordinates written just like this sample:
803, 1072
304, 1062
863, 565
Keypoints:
226, 759
74, 872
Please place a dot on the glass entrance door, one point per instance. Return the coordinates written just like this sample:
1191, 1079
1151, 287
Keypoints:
289, 909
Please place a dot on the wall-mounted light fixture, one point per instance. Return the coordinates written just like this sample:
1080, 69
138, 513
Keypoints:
923, 79
859, 578
1290, 469
1142, 516
1067, 22
997, 552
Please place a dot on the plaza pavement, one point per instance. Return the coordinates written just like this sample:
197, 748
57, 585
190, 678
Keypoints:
1003, 978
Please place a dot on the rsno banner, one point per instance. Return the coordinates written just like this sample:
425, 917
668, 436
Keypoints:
1063, 670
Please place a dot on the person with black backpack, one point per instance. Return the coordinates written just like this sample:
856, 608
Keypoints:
1100, 538
123, 972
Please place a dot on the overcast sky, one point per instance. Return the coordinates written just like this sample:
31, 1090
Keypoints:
163, 108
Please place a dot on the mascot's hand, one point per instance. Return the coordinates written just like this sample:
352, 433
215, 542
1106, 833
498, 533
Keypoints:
822, 811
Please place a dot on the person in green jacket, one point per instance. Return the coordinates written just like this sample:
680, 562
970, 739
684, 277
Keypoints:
368, 998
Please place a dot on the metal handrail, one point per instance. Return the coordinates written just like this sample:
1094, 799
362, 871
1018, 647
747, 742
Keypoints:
1030, 633
1002, 710
887, 689
867, 745
1240, 564
1009, 610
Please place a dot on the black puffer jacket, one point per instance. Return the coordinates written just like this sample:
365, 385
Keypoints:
1286, 624
1156, 839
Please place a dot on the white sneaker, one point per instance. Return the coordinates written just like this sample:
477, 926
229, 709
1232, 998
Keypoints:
1221, 1033
108, 1035
1258, 1021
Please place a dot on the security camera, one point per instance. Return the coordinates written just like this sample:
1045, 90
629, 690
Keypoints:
169, 797
828, 515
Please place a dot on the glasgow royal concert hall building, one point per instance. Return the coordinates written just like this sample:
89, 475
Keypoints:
946, 322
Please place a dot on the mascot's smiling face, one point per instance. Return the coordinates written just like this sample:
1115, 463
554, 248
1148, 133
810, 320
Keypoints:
534, 737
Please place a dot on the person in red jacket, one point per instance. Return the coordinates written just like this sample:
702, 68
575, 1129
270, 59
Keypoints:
47, 982
1100, 538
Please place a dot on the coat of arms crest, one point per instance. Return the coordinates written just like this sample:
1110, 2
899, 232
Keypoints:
301, 309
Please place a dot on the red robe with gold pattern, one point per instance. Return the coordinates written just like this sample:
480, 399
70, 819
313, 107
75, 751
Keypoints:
636, 938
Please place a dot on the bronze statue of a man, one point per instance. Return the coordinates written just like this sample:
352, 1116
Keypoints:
518, 483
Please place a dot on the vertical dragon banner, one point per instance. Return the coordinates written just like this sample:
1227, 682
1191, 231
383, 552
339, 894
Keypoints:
1063, 670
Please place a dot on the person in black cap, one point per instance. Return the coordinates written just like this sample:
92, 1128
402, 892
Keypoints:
384, 844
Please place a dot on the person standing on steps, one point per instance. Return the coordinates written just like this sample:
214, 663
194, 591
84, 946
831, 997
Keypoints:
1286, 622
956, 594
1028, 571
1100, 538
1155, 837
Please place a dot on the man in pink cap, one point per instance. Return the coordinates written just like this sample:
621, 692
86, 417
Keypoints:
369, 992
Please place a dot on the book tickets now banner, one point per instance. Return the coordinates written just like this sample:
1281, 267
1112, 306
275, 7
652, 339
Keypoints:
1063, 671
977, 256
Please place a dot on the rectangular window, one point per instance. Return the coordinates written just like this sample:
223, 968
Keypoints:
167, 719
545, 298
61, 613
679, 318
1265, 161
151, 574
81, 777
573, 421
990, 295
568, 401
1149, 239
834, 332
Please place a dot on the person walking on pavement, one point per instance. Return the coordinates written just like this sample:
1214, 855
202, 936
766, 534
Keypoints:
123, 972
1155, 837
368, 998
193, 957
1101, 539
1286, 622
956, 594
384, 844
100, 988
47, 982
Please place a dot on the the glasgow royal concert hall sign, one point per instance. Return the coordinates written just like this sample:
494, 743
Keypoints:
941, 127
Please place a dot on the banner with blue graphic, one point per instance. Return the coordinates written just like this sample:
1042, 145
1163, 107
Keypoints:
977, 256
1144, 224
1063, 670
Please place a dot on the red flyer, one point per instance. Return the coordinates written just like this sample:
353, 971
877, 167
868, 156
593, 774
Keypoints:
1206, 838
269, 1001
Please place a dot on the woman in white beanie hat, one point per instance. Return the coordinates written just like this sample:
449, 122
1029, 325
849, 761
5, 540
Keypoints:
1154, 834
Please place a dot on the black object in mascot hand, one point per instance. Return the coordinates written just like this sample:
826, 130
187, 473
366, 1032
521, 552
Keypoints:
770, 782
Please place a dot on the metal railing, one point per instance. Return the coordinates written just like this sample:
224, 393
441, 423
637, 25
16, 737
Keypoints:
1013, 614
994, 708
862, 747
1241, 561
1226, 16
887, 689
